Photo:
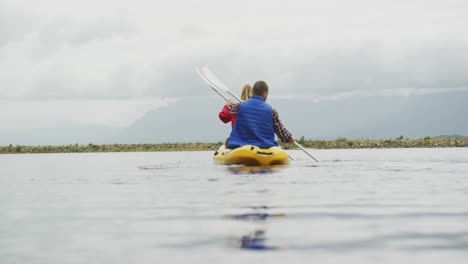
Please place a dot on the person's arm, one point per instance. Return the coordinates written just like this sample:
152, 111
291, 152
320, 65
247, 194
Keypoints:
280, 130
234, 108
225, 115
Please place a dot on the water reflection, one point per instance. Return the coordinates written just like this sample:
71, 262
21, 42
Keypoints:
255, 240
258, 207
254, 169
253, 216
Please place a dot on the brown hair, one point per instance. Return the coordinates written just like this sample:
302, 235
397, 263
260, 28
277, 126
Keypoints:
246, 92
260, 87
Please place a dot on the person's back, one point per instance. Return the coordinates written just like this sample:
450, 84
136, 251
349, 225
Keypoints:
254, 125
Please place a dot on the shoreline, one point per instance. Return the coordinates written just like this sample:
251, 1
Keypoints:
340, 143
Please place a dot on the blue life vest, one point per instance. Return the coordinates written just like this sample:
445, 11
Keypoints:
254, 125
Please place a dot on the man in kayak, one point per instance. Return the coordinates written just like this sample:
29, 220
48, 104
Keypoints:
257, 122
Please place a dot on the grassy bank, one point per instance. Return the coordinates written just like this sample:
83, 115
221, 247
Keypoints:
340, 143
110, 148
427, 142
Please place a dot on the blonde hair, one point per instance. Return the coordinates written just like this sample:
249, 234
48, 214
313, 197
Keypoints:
246, 92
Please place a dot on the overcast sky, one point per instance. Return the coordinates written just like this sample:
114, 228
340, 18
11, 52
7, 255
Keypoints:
108, 62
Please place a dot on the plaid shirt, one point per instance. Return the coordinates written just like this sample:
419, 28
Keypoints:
280, 130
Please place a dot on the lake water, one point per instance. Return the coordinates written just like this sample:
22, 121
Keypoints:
354, 206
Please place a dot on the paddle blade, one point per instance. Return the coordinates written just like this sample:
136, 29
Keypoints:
210, 84
213, 79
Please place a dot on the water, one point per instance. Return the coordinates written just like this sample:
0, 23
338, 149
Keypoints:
355, 206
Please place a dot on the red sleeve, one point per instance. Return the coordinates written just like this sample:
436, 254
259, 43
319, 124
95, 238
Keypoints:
225, 115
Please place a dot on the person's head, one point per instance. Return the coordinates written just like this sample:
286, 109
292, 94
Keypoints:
246, 92
261, 89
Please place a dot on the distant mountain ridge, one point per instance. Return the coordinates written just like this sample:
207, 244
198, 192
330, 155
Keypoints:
60, 136
451, 136
365, 117
380, 117
188, 120
196, 120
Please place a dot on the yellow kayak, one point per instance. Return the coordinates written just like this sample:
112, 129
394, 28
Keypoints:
249, 155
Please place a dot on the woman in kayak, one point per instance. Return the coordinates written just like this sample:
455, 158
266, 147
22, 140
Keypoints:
225, 115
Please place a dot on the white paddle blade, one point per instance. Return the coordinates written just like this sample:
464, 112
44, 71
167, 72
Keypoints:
210, 84
213, 79
210, 76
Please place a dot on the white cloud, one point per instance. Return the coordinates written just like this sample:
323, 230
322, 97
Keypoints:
134, 50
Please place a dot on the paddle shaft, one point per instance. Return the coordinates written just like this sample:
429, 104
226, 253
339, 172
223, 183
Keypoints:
303, 149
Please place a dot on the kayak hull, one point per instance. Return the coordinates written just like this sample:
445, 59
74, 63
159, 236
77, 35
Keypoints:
249, 155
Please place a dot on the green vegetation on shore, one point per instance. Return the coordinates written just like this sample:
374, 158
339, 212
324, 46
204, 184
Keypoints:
340, 143
400, 142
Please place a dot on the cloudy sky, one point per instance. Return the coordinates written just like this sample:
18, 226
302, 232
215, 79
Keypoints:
107, 62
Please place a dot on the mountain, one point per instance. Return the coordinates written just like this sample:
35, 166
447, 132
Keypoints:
195, 119
378, 117
59, 136
188, 120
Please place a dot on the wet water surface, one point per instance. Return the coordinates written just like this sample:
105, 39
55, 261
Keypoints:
354, 206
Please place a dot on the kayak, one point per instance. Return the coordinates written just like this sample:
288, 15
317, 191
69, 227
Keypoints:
249, 155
